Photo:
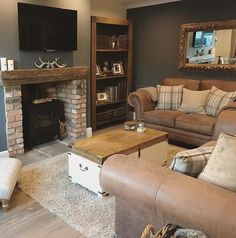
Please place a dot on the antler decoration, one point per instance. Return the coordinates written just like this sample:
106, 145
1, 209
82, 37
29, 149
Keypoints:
57, 65
49, 64
43, 64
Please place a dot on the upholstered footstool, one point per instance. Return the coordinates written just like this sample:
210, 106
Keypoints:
9, 172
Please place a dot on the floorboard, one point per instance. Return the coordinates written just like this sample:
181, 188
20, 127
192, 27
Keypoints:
28, 219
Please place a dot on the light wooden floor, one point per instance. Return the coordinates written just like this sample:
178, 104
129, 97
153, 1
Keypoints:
28, 219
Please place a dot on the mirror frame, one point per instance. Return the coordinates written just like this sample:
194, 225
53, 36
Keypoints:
204, 26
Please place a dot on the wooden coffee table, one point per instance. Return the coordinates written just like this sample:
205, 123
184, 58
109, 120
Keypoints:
86, 156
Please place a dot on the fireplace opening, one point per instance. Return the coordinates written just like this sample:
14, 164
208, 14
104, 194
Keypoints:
42, 116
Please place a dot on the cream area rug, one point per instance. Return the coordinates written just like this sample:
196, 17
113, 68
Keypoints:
48, 183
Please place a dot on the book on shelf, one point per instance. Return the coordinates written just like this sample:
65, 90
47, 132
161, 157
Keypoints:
117, 93
112, 93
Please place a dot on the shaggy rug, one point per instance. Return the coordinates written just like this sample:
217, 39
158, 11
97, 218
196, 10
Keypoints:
47, 182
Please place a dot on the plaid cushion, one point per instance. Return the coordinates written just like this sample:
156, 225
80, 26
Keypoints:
169, 97
217, 99
191, 162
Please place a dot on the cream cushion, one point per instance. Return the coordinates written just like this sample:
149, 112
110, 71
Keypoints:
221, 166
194, 101
9, 172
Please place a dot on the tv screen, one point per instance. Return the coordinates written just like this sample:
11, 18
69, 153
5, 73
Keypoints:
46, 28
202, 38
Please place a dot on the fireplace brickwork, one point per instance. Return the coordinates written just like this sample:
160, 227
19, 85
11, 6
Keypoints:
72, 92
14, 120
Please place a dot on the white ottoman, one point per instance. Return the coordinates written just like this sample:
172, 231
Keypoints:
9, 172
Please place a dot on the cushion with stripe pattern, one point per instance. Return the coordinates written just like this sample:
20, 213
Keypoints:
217, 99
169, 97
191, 162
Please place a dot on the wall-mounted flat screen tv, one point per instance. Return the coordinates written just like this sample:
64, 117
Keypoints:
202, 38
46, 28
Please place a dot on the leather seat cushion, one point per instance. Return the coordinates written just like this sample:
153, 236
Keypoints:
162, 117
202, 124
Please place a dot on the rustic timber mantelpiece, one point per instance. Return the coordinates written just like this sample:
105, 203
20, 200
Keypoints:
66, 84
29, 76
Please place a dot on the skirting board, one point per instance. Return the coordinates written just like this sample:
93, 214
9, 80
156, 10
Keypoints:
4, 153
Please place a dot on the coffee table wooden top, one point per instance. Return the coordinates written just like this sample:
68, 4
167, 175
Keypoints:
118, 141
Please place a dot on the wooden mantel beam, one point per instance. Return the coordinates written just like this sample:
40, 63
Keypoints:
35, 76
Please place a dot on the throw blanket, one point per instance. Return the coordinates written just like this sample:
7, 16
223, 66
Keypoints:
172, 231
152, 91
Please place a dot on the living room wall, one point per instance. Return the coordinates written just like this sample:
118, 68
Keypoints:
156, 38
9, 46
108, 8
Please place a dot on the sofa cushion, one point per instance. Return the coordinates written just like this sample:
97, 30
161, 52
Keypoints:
169, 97
194, 101
191, 162
202, 124
221, 166
217, 99
162, 117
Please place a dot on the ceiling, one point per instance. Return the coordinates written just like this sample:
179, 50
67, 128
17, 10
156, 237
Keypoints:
142, 3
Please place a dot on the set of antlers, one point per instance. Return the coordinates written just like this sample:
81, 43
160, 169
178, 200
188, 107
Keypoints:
49, 64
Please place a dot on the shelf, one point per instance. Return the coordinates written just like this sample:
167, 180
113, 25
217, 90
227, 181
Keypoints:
112, 50
115, 119
110, 103
35, 76
111, 77
120, 84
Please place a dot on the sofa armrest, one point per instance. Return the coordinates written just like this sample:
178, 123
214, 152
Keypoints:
230, 106
226, 121
141, 102
121, 176
174, 197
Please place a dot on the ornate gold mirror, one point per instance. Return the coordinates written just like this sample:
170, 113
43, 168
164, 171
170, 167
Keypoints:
208, 46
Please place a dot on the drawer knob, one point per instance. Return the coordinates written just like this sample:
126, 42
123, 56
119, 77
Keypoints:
83, 169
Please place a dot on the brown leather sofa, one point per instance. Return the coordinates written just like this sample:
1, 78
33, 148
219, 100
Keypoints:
190, 128
147, 194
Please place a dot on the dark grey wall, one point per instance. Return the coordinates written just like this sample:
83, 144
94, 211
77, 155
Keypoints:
3, 144
156, 37
9, 41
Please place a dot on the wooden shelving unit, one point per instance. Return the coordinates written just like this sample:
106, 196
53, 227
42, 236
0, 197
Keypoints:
111, 42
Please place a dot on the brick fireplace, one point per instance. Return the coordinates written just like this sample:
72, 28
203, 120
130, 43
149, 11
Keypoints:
68, 85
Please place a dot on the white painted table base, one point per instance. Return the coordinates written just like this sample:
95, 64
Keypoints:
86, 172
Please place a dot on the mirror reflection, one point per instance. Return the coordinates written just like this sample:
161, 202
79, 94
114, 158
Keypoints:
211, 47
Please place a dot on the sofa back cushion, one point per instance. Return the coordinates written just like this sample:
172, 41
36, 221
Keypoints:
188, 83
225, 85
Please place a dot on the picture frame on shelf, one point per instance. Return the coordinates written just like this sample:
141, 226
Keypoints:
102, 97
98, 71
117, 67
